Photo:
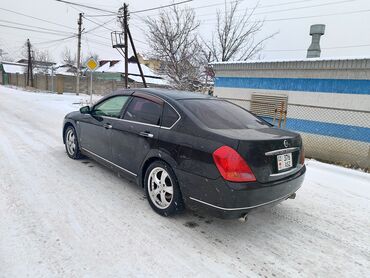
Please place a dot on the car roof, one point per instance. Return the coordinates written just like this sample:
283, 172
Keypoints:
167, 93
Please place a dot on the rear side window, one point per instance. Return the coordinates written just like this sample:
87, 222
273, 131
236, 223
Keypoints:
220, 114
143, 111
170, 116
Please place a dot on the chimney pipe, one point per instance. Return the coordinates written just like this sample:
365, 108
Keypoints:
316, 31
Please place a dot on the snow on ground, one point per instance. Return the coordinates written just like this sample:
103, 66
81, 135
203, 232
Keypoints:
66, 218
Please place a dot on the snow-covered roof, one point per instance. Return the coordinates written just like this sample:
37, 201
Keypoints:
64, 70
132, 68
10, 67
291, 60
144, 56
103, 68
149, 80
294, 64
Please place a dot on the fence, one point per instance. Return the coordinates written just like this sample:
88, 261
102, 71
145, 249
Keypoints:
67, 83
330, 134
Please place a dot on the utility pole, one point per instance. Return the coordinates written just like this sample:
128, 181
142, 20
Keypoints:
137, 58
125, 28
122, 44
79, 22
29, 65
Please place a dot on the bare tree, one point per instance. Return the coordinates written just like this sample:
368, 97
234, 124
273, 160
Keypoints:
173, 39
93, 55
67, 57
41, 59
4, 55
235, 35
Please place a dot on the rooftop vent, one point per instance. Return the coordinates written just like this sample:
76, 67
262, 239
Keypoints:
316, 31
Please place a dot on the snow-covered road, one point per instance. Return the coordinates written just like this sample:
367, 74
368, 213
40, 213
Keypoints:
66, 218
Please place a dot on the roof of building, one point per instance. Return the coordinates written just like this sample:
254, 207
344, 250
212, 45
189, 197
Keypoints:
307, 63
38, 63
132, 69
149, 80
64, 69
10, 67
292, 60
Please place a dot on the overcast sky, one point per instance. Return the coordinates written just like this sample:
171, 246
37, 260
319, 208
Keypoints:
347, 27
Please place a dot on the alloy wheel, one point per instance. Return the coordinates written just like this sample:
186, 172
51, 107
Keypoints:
71, 142
160, 188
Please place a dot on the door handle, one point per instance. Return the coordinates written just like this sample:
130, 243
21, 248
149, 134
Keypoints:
107, 126
146, 134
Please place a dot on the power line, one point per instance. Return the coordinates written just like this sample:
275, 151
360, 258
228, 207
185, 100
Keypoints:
86, 6
32, 26
161, 7
306, 7
36, 18
231, 2
348, 46
107, 45
99, 24
98, 36
14, 52
96, 46
98, 42
324, 48
257, 7
284, 4
51, 47
53, 41
208, 6
315, 16
134, 12
290, 9
300, 17
88, 45
99, 15
31, 30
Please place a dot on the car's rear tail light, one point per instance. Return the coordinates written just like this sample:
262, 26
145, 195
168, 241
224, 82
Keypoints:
232, 166
301, 157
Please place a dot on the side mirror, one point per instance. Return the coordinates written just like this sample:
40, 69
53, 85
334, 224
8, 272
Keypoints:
85, 110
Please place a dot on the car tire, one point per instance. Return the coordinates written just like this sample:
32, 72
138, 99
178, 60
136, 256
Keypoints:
162, 189
71, 143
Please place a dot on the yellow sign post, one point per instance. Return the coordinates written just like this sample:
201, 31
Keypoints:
92, 65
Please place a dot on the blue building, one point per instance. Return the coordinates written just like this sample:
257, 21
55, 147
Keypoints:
327, 100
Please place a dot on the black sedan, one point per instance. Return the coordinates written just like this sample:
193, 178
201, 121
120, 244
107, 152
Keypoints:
189, 150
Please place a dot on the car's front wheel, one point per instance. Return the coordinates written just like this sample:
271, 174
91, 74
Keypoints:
162, 189
71, 143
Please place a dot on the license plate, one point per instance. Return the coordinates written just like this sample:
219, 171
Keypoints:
284, 161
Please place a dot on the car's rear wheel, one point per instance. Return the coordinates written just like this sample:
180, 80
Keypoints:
162, 189
71, 143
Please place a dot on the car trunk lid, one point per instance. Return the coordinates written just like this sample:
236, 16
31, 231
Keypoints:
261, 147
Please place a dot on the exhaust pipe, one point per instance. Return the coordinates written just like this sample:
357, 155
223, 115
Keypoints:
244, 218
292, 196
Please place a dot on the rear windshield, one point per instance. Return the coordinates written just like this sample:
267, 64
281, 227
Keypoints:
220, 114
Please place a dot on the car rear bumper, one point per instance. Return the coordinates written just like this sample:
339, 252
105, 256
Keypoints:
232, 200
